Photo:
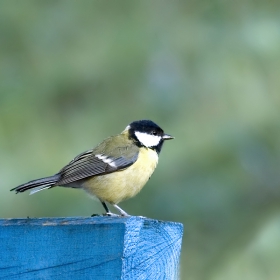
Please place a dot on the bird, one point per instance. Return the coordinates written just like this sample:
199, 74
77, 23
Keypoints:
115, 170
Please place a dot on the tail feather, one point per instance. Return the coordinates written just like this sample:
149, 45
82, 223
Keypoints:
38, 184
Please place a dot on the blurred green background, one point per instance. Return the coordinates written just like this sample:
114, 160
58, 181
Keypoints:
75, 72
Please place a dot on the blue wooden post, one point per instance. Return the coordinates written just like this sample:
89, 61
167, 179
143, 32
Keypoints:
89, 248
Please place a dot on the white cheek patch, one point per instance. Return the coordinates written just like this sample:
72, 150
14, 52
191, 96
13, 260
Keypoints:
106, 160
148, 140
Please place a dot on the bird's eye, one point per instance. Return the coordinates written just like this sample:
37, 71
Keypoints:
154, 132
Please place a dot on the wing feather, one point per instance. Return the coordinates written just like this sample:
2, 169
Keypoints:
96, 162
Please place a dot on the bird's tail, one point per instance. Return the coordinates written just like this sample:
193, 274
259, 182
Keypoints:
38, 185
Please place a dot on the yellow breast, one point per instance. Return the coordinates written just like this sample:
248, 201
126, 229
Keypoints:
118, 186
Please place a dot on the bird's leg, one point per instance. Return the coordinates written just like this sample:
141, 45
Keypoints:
105, 206
123, 213
108, 212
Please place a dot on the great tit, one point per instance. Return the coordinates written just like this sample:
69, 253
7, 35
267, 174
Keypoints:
115, 170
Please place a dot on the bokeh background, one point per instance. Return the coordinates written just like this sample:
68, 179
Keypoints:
75, 72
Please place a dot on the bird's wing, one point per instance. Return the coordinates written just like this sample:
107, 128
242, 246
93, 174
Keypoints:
97, 162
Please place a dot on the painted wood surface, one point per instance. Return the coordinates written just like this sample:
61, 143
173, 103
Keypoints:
89, 248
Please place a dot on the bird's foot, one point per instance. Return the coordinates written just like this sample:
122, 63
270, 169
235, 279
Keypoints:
96, 215
110, 214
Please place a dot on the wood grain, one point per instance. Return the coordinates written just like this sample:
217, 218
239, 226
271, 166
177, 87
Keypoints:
89, 248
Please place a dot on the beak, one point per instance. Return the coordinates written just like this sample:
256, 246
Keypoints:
167, 137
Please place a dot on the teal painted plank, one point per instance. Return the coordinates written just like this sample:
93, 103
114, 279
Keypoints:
89, 248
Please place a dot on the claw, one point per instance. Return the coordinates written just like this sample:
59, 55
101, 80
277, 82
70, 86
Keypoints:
110, 214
